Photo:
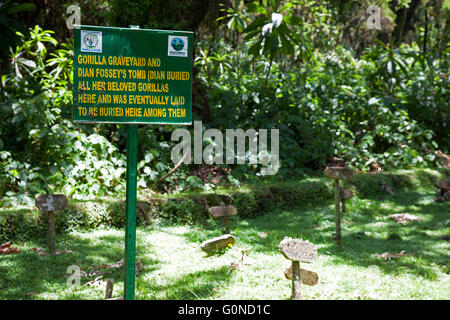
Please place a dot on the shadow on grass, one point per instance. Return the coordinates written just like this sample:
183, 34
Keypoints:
27, 274
196, 285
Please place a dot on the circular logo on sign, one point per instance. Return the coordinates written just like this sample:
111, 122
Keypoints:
90, 40
177, 44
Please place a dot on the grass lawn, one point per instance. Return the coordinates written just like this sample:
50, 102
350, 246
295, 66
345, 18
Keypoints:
176, 268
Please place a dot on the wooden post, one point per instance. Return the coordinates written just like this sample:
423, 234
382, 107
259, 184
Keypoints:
226, 222
338, 173
342, 201
337, 195
51, 232
109, 288
296, 281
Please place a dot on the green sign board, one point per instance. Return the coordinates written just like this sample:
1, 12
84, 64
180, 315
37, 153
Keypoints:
132, 76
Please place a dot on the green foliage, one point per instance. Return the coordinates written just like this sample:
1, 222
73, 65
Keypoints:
9, 24
269, 34
42, 150
158, 14
332, 89
184, 211
336, 105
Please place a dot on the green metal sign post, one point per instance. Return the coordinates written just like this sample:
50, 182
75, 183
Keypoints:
130, 231
132, 76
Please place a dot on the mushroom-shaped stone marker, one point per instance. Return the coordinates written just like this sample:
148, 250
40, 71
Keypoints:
338, 173
48, 203
297, 250
225, 212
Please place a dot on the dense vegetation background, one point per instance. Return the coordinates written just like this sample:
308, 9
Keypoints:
378, 99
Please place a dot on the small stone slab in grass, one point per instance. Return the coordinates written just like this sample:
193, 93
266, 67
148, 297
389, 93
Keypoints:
298, 250
218, 243
51, 202
307, 277
338, 172
222, 211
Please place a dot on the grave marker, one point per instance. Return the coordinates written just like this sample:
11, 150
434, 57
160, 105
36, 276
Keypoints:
298, 251
48, 203
338, 173
224, 212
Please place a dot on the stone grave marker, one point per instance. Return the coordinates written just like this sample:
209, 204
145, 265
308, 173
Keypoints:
49, 203
218, 243
298, 251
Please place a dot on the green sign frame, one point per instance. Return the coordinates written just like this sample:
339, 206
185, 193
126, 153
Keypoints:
134, 76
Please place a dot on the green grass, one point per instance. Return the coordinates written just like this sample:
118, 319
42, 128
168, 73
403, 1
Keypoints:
176, 268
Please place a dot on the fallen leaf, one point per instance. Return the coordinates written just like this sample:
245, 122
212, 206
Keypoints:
63, 252
5, 245
6, 248
96, 281
40, 251
402, 218
389, 256
262, 235
232, 267
116, 265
